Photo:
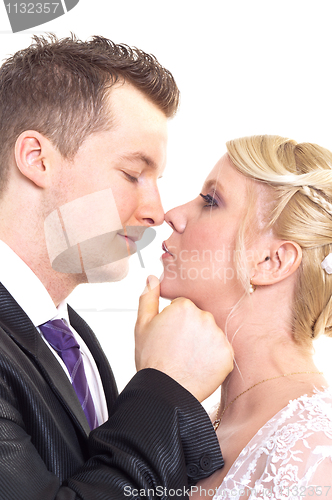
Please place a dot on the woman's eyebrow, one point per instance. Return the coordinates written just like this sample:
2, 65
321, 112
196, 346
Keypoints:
212, 183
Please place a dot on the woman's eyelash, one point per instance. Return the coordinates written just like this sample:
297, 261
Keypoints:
211, 202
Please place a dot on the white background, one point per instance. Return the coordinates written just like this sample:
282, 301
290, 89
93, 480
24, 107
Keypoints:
243, 67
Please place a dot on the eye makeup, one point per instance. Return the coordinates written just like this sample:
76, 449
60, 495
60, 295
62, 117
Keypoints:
210, 200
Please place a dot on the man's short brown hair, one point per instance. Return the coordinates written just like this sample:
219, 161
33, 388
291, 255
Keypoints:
59, 88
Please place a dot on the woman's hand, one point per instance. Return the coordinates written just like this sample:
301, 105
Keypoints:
182, 341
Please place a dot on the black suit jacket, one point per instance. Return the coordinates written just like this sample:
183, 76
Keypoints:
157, 434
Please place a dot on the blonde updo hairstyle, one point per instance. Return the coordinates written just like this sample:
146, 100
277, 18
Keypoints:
300, 178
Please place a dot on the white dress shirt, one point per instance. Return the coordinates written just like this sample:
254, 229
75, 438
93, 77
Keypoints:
31, 295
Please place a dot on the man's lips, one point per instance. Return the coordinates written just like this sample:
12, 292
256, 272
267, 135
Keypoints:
131, 238
132, 233
130, 243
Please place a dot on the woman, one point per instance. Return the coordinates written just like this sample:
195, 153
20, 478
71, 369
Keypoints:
251, 249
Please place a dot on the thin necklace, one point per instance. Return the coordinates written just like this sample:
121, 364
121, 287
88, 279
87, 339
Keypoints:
217, 421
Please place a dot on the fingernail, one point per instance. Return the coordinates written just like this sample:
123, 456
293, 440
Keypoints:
147, 287
148, 283
152, 282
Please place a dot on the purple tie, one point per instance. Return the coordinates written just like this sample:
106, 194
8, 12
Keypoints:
61, 338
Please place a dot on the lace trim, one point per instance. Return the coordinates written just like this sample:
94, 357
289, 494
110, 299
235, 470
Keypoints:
290, 451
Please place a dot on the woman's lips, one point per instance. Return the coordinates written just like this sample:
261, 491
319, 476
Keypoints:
166, 250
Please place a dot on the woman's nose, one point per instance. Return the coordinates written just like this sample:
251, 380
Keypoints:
177, 218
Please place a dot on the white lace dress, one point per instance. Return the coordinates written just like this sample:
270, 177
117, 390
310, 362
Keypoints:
289, 458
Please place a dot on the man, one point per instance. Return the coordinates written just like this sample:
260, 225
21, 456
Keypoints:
83, 132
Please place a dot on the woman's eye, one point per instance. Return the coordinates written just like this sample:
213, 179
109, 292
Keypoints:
130, 178
211, 202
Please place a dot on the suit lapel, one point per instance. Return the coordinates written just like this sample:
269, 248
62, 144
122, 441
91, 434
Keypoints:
18, 325
95, 348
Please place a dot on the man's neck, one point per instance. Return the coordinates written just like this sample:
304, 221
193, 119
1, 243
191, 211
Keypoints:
59, 285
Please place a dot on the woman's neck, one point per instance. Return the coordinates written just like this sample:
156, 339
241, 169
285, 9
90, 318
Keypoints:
258, 361
263, 350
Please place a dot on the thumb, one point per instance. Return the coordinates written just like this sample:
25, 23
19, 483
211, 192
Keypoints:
149, 301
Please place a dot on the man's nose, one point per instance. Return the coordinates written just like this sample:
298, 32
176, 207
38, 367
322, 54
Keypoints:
152, 212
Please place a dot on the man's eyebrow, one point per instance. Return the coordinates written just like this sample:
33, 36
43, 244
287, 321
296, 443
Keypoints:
139, 156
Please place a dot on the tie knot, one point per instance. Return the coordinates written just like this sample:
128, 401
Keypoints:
61, 338
59, 335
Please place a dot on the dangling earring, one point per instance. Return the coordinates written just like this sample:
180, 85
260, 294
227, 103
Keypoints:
252, 287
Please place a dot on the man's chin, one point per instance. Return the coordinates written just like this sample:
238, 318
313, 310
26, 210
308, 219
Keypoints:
116, 271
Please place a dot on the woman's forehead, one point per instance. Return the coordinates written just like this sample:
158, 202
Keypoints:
225, 172
224, 177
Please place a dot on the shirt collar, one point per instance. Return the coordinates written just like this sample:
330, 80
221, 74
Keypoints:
27, 289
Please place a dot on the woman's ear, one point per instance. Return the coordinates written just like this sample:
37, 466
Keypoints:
281, 261
31, 155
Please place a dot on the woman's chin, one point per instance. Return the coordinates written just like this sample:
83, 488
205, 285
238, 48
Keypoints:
170, 291
166, 291
167, 288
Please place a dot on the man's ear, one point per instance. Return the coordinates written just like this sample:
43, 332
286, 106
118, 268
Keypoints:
281, 261
31, 155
